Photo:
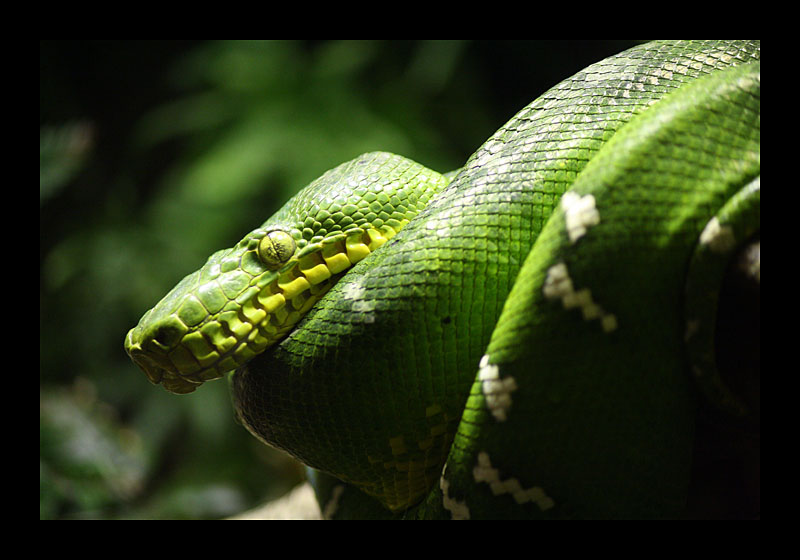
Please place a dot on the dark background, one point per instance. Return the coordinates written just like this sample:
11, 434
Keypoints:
155, 154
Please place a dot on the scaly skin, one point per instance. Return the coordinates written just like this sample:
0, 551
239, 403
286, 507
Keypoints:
517, 350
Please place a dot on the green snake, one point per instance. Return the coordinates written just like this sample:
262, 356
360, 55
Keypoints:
526, 337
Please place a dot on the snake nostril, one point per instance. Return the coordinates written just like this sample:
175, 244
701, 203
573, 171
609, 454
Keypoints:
162, 336
167, 335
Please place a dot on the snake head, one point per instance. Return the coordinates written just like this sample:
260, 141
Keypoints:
199, 330
247, 298
239, 303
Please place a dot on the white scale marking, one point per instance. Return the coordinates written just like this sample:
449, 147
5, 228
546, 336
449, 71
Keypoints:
497, 391
580, 214
558, 285
718, 237
484, 472
458, 510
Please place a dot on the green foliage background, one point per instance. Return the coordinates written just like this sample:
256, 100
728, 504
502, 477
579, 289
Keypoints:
155, 154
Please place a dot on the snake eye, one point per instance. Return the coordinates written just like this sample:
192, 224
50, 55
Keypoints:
276, 248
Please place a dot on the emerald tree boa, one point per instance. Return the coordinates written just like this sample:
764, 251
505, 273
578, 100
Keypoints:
530, 336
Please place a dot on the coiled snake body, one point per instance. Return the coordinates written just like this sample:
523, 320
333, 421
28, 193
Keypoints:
520, 338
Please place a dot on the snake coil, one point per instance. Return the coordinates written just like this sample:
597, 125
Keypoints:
530, 337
